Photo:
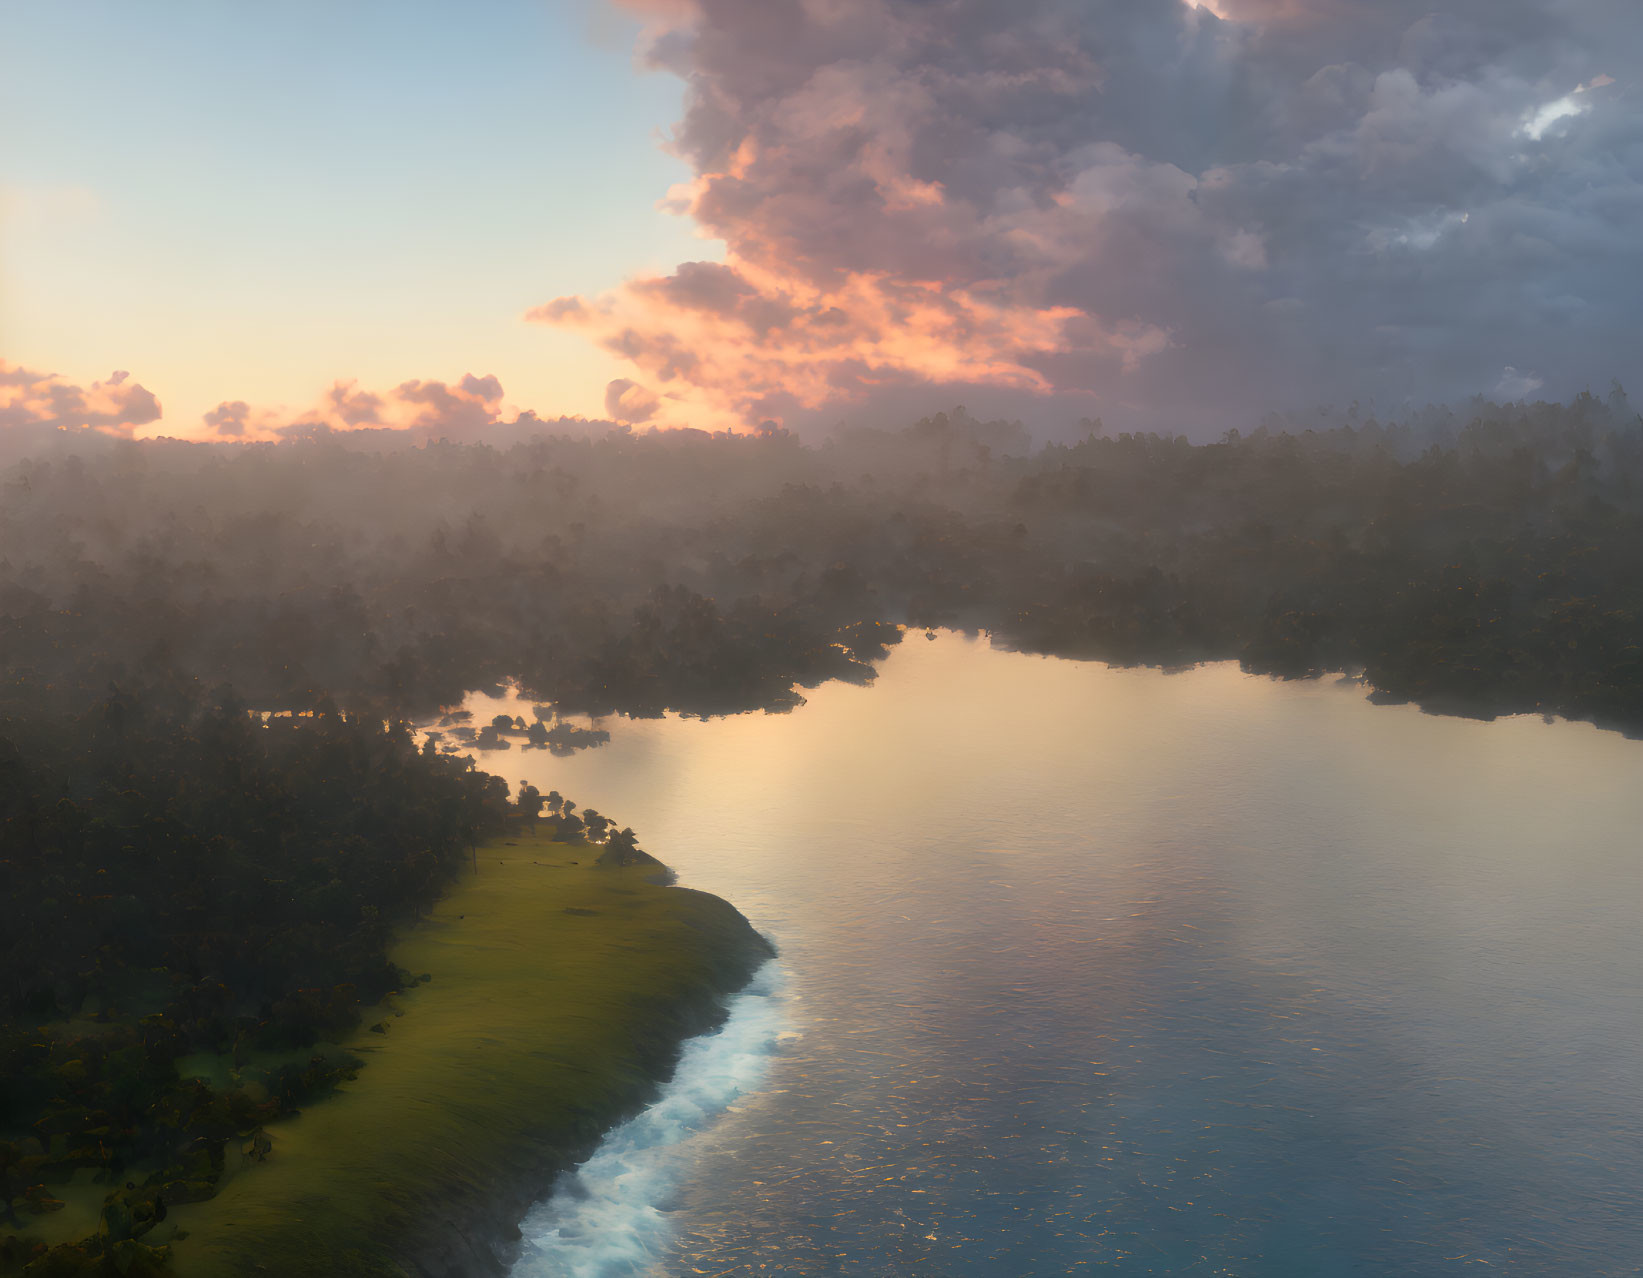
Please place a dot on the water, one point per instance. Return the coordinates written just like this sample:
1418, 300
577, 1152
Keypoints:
1092, 970
607, 1217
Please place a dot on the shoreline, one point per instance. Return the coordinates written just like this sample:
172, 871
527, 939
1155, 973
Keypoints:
560, 999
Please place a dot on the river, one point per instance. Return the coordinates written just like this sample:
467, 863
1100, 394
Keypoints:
1089, 970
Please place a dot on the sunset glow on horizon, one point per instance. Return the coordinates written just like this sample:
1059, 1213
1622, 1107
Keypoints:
254, 206
1172, 216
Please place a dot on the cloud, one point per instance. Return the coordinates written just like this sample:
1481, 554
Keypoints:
1515, 385
229, 418
37, 407
627, 401
420, 410
1138, 207
437, 411
348, 407
117, 406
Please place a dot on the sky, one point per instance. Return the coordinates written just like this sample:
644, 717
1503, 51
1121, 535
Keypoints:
726, 212
250, 202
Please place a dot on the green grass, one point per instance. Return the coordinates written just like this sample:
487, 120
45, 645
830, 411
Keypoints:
560, 992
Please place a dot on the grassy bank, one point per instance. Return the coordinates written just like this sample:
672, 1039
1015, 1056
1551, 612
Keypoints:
559, 995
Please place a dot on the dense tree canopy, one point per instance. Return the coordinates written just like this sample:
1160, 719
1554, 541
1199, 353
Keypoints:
1489, 564
181, 877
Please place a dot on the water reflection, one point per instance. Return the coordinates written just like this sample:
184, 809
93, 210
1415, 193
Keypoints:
1112, 970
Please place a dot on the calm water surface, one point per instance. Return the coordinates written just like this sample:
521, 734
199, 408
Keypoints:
1096, 970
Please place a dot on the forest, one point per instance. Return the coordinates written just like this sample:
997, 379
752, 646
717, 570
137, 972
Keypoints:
1482, 563
214, 808
187, 881
182, 878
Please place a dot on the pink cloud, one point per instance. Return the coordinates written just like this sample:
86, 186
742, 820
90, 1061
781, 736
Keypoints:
627, 401
423, 410
116, 406
736, 344
229, 419
434, 410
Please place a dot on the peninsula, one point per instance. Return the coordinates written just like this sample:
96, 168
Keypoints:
551, 997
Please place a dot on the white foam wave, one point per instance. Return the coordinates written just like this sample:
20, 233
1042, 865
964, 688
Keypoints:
609, 1219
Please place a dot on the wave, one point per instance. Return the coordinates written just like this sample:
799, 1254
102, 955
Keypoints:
610, 1217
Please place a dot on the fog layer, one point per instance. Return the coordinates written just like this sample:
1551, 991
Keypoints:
1487, 563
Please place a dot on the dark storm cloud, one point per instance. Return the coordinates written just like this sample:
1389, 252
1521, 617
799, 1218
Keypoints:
1143, 209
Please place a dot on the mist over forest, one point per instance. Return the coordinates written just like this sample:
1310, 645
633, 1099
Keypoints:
1483, 562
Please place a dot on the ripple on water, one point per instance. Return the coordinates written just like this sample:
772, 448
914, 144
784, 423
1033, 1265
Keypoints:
1115, 971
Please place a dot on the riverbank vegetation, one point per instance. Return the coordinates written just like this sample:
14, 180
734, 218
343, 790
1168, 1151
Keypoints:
184, 880
201, 907
560, 990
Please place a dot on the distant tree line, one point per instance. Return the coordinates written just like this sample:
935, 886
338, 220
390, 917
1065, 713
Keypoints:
1486, 563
